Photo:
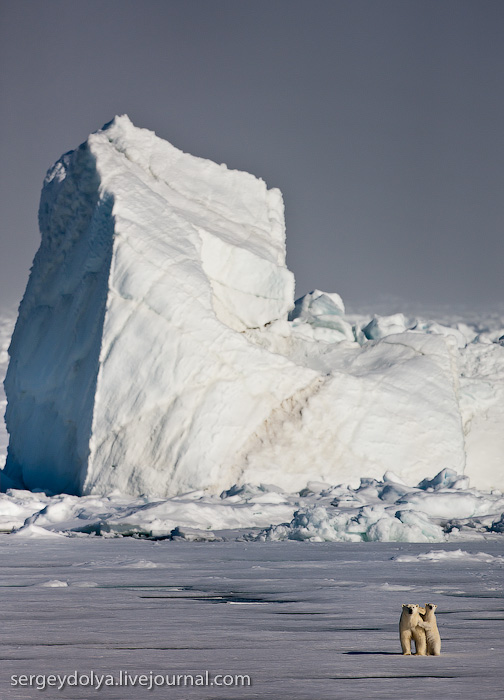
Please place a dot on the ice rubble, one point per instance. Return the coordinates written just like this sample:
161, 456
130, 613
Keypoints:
439, 510
458, 555
390, 510
158, 348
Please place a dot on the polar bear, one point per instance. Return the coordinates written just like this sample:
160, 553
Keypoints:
431, 632
411, 626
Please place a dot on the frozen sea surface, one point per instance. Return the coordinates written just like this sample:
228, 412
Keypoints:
305, 621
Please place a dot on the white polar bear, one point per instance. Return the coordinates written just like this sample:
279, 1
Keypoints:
411, 626
431, 632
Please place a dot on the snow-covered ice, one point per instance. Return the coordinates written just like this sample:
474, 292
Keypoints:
158, 349
301, 620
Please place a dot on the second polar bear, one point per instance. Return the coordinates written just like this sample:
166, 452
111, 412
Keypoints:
412, 627
431, 632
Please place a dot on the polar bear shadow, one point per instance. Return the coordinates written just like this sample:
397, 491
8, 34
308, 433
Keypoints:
372, 653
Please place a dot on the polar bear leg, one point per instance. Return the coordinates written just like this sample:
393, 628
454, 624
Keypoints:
420, 642
405, 636
434, 646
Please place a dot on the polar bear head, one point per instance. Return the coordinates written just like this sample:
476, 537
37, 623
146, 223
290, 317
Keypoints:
410, 608
431, 607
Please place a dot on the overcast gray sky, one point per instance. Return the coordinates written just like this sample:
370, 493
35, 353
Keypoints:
381, 121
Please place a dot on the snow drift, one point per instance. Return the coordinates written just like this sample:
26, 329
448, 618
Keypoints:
443, 509
158, 348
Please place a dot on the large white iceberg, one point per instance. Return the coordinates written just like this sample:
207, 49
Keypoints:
154, 352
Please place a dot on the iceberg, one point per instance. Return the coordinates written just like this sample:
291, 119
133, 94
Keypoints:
128, 369
158, 348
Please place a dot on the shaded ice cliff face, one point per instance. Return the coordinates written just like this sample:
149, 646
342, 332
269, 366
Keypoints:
154, 353
6, 328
